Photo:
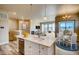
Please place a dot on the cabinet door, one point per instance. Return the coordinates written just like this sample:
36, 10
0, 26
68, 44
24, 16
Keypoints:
50, 50
28, 48
31, 48
43, 50
35, 48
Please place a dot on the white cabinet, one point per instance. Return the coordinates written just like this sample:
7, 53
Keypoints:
43, 50
35, 48
32, 48
28, 48
51, 50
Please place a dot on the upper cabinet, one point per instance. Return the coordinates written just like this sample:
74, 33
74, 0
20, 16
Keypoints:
24, 25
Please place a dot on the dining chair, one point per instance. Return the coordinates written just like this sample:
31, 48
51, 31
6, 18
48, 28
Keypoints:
59, 37
74, 41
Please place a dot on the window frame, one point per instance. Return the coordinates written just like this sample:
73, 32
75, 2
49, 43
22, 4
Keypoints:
66, 23
51, 22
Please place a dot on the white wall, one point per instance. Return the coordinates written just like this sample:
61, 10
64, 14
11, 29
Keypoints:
12, 24
37, 22
51, 13
4, 38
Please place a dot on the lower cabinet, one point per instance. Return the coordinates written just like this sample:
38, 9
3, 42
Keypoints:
32, 48
35, 48
43, 50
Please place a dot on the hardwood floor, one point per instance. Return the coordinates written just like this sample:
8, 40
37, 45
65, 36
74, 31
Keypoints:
9, 49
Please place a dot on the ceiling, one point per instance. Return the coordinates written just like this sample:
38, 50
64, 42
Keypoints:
36, 10
26, 10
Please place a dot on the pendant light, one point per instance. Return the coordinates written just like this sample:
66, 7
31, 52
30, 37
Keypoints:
45, 16
30, 10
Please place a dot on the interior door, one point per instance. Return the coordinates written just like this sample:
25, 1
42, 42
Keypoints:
4, 31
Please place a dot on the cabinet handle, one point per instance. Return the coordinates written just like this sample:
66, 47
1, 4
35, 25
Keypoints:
30, 46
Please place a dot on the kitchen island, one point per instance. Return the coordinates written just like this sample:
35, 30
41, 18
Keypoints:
34, 45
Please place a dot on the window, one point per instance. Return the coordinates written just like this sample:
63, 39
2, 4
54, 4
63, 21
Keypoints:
47, 26
70, 25
66, 25
62, 25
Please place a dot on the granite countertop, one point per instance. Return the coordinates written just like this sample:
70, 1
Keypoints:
47, 41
